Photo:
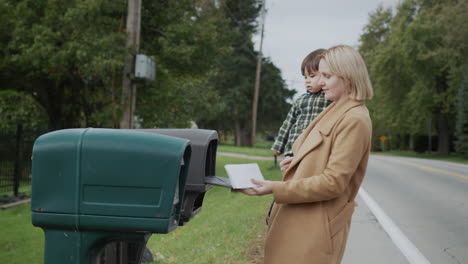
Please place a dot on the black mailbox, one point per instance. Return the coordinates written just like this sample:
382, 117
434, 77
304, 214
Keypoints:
203, 163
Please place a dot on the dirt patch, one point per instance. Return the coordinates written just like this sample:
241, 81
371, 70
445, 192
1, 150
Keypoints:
255, 251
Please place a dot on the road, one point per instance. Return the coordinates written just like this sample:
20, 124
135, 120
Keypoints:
426, 200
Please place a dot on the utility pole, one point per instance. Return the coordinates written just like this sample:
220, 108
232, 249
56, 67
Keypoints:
133, 41
257, 80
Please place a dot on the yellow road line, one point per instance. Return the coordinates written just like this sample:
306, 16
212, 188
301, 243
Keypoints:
425, 167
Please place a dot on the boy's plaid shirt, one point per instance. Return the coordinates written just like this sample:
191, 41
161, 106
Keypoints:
305, 109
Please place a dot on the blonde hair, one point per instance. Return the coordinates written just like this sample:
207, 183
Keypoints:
345, 62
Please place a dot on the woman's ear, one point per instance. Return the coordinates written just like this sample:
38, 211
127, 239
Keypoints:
348, 86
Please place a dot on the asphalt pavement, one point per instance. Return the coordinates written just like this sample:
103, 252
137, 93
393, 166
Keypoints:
427, 201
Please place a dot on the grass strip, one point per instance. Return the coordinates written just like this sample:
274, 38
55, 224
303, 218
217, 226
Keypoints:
227, 230
20, 241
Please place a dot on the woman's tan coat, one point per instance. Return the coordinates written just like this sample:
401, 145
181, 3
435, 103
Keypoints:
311, 217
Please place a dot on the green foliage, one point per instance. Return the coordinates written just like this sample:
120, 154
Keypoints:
272, 103
187, 40
65, 54
17, 107
414, 60
375, 31
235, 76
68, 56
173, 102
234, 79
59, 39
462, 119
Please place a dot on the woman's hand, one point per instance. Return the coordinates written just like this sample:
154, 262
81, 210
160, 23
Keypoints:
262, 188
284, 164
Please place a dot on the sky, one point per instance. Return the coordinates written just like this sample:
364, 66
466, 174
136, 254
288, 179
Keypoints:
294, 28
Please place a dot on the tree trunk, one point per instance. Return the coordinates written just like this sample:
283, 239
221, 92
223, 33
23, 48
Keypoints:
443, 133
411, 142
54, 107
443, 146
237, 132
242, 135
403, 142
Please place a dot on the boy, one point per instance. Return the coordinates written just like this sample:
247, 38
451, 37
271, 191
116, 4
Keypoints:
304, 109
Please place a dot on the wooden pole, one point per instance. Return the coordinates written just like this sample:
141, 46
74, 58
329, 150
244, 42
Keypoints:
133, 41
257, 81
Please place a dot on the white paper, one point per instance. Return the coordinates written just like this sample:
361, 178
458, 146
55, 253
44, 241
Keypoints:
241, 175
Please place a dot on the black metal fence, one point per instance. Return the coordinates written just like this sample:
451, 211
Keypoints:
15, 160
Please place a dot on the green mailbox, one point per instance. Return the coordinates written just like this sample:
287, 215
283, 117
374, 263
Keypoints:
95, 186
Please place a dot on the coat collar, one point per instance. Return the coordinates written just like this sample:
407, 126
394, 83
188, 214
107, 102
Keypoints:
322, 125
335, 114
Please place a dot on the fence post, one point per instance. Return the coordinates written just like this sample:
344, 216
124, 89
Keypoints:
18, 169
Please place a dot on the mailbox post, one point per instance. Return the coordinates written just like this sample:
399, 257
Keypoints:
91, 187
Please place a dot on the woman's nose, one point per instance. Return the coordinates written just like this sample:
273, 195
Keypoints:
321, 82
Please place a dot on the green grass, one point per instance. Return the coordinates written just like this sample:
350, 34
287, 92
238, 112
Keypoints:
260, 142
256, 151
20, 242
453, 157
226, 230
23, 190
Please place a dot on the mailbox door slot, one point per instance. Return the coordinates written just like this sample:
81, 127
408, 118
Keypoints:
194, 199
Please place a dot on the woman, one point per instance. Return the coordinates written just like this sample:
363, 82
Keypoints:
311, 216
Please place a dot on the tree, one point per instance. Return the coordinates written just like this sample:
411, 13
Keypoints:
461, 145
67, 53
381, 46
235, 77
273, 104
16, 108
186, 40
375, 31
372, 41
415, 68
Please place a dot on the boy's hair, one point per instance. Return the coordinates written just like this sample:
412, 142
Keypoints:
345, 62
311, 62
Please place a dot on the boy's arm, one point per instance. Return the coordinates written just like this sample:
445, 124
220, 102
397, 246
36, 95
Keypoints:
284, 130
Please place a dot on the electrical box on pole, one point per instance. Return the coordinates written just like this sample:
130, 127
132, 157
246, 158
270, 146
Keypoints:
145, 68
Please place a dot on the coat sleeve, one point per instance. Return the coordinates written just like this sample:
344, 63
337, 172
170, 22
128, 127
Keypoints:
351, 143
